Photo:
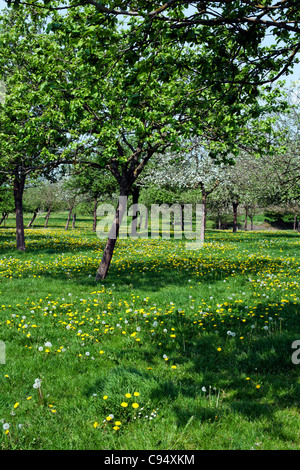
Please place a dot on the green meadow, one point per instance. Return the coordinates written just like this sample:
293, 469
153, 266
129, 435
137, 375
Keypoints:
176, 349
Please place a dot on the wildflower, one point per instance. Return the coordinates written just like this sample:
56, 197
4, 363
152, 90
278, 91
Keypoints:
135, 405
37, 383
6, 426
128, 395
124, 404
136, 394
16, 405
118, 423
257, 386
105, 397
219, 349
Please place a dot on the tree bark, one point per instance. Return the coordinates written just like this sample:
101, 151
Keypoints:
33, 217
73, 221
19, 183
112, 238
47, 216
135, 201
203, 220
219, 221
234, 207
4, 217
295, 221
246, 219
95, 214
69, 218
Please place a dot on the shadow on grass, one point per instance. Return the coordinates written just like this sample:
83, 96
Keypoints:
209, 383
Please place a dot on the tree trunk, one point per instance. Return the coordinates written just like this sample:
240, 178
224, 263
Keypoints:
219, 221
47, 216
69, 218
246, 219
4, 216
112, 238
203, 219
251, 219
19, 183
74, 220
95, 214
295, 222
33, 217
234, 207
135, 201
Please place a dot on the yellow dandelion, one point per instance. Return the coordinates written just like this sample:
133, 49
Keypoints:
127, 395
124, 404
135, 405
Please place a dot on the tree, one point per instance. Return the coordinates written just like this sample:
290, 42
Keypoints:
139, 105
246, 24
187, 173
91, 183
32, 141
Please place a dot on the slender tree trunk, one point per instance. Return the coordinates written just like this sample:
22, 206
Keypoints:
19, 183
112, 238
33, 218
234, 207
135, 201
246, 219
295, 221
95, 214
74, 220
219, 221
203, 220
47, 216
69, 218
251, 220
4, 216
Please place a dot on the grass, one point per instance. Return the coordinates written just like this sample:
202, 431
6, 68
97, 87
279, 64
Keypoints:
199, 341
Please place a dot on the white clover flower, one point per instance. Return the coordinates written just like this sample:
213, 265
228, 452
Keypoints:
48, 344
41, 348
6, 426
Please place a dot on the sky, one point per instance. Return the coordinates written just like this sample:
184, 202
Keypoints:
294, 76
